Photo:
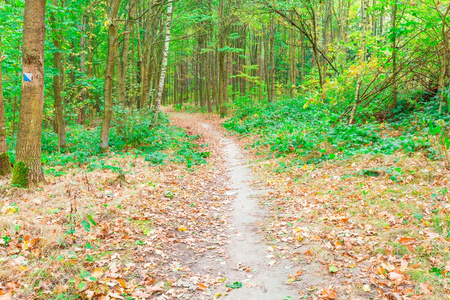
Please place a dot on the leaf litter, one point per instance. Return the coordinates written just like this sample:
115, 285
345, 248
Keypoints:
88, 235
348, 236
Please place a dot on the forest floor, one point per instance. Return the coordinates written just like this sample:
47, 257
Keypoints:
233, 228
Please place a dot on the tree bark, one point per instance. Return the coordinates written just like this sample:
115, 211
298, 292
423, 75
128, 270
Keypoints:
292, 60
109, 74
5, 163
123, 59
82, 114
57, 82
444, 58
28, 167
272, 60
162, 77
223, 74
394, 54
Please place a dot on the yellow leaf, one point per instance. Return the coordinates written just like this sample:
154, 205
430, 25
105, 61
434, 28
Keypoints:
182, 228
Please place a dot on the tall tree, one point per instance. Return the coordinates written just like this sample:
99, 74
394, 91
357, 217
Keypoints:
271, 73
394, 53
164, 60
5, 164
223, 73
109, 73
28, 166
57, 84
123, 59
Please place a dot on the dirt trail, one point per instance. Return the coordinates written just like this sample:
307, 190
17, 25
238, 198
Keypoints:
247, 259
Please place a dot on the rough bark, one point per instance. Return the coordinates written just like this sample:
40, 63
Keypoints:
5, 164
123, 59
28, 167
82, 113
292, 60
444, 59
109, 74
394, 54
57, 82
223, 74
162, 77
271, 74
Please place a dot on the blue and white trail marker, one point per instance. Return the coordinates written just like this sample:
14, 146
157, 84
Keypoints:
27, 77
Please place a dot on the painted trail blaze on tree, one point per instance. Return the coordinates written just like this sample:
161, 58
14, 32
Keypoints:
28, 166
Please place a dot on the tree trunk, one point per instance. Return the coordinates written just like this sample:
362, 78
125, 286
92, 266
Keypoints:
394, 54
57, 83
271, 74
223, 75
362, 60
292, 60
5, 164
326, 25
28, 166
165, 54
109, 74
82, 114
444, 59
123, 59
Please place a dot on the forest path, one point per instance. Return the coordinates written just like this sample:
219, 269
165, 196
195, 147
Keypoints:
247, 259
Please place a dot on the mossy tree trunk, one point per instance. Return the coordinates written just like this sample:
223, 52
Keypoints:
5, 164
28, 167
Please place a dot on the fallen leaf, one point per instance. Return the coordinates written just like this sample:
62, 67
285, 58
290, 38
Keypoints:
333, 269
328, 293
426, 288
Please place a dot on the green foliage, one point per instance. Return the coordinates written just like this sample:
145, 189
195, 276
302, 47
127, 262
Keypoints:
314, 134
130, 134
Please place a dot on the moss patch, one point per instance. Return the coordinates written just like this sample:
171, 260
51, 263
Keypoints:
20, 175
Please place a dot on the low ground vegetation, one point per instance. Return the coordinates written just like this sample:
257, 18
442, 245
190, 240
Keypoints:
367, 200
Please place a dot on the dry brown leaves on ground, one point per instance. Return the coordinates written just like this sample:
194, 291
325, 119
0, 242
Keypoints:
90, 235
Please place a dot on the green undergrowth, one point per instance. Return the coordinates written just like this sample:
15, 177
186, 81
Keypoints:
132, 135
316, 133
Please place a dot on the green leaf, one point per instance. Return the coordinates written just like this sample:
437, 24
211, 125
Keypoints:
333, 269
81, 285
91, 219
436, 271
234, 285
85, 224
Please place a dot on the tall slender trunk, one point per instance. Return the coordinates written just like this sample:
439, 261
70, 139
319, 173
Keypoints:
28, 166
271, 80
292, 59
57, 83
109, 74
444, 58
5, 164
223, 74
162, 77
123, 59
361, 60
326, 25
394, 54
82, 113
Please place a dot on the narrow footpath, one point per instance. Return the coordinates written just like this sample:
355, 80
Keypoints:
247, 259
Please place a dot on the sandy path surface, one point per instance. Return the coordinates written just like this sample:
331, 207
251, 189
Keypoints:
247, 259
